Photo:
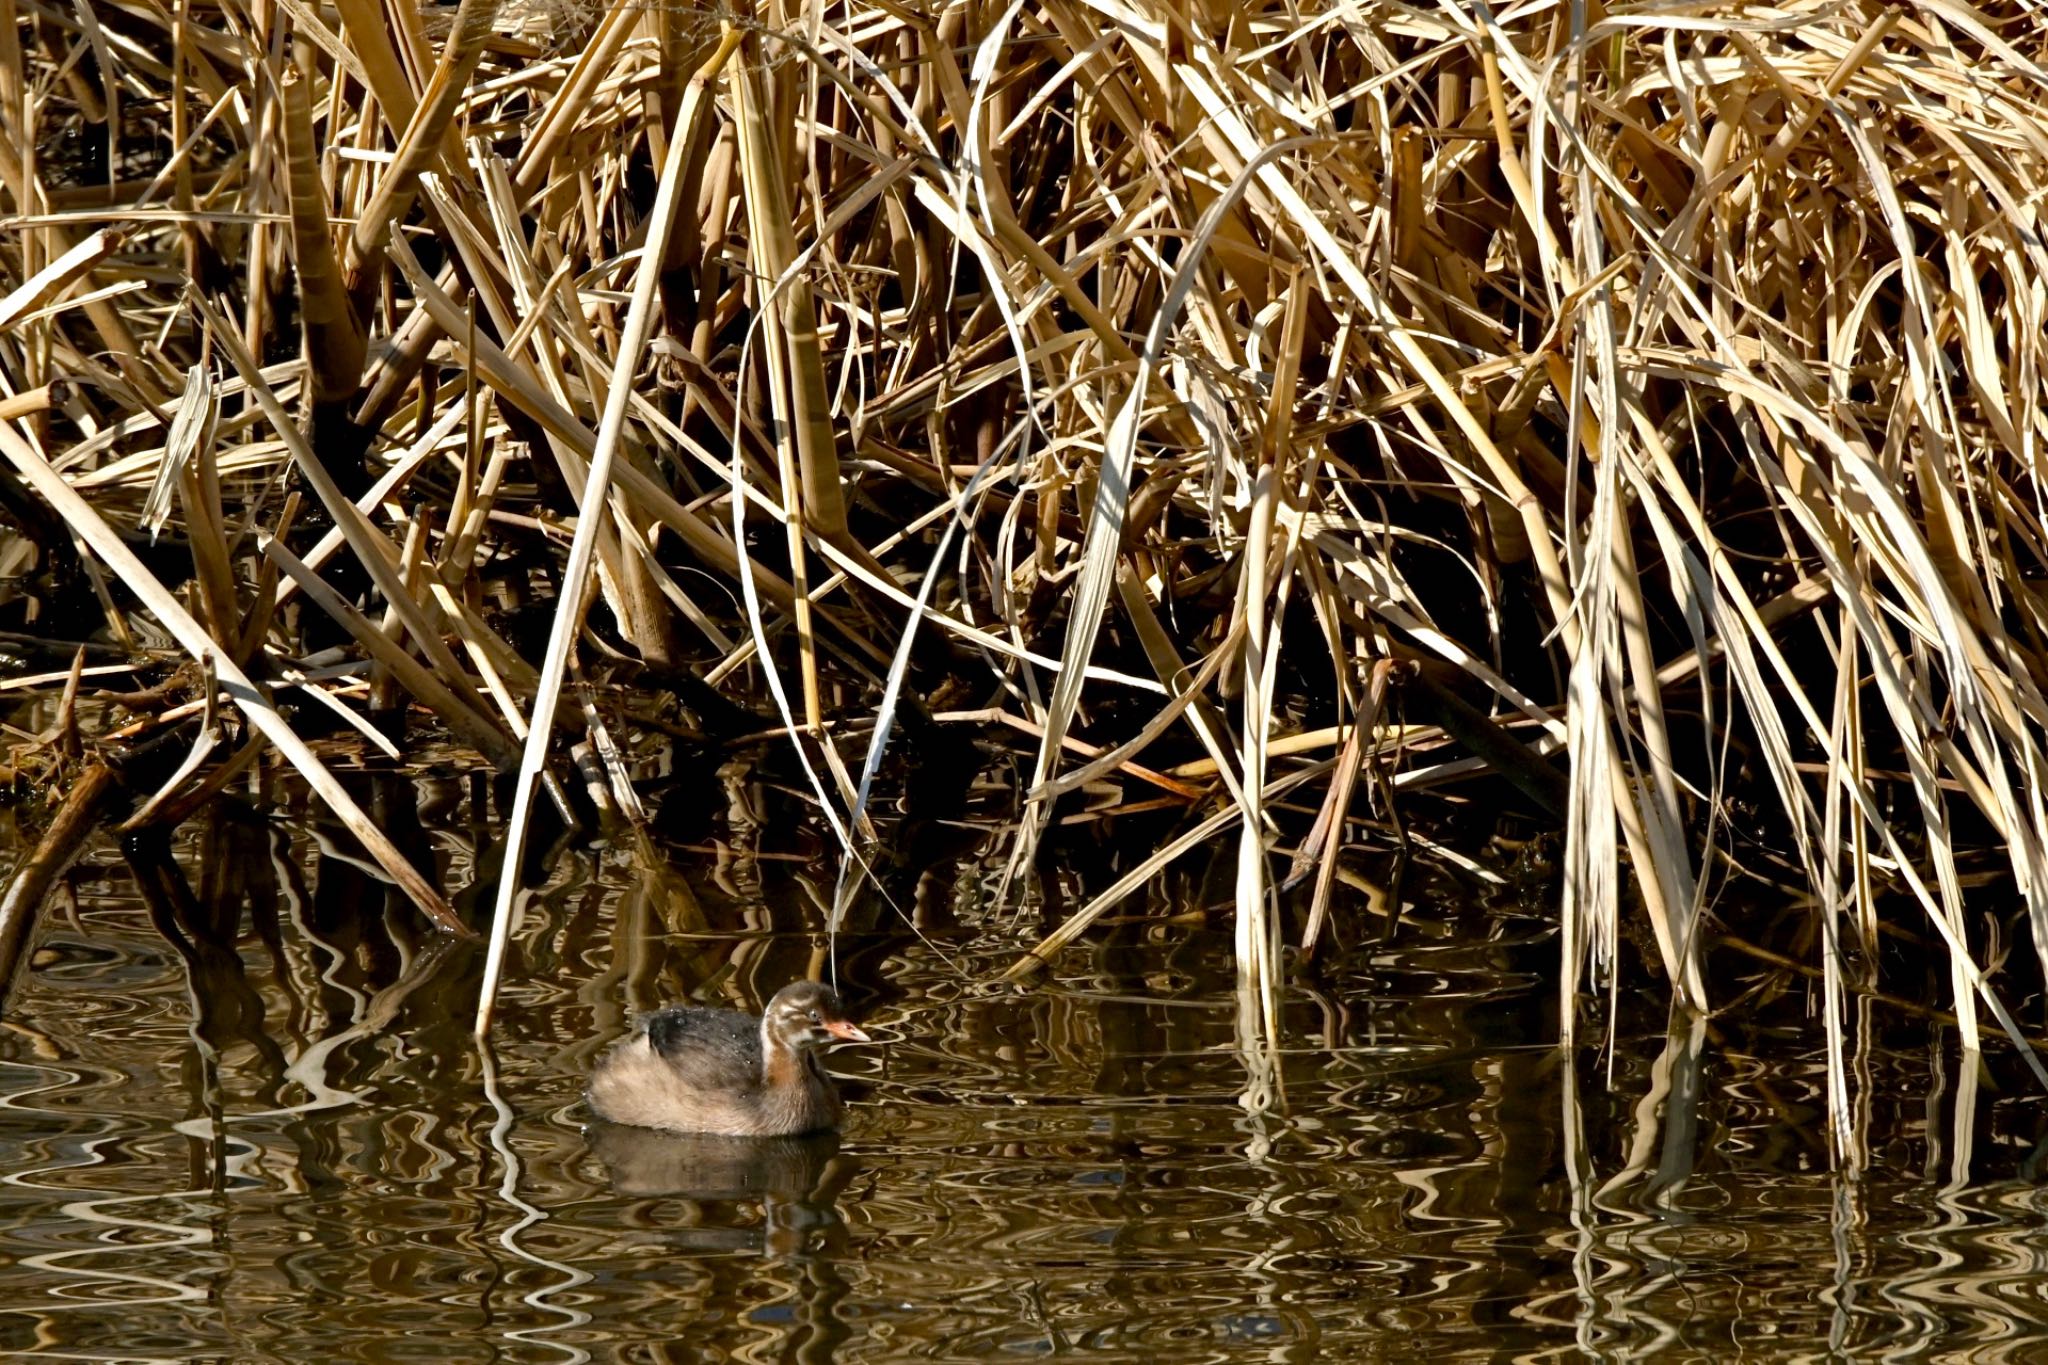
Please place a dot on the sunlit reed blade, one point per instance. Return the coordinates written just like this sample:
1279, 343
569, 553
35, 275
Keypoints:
554, 668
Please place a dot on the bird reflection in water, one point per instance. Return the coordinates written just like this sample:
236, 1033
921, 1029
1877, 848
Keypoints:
796, 1180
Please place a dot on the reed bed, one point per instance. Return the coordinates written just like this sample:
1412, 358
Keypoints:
1634, 408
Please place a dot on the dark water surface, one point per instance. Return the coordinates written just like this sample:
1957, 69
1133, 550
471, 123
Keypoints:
241, 1118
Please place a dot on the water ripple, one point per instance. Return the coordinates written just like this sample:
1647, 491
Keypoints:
1066, 1172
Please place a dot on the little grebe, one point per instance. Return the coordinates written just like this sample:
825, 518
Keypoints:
721, 1071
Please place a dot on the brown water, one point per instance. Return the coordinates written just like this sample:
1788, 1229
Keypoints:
241, 1118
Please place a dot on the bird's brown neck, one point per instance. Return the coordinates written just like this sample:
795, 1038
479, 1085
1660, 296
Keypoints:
795, 1088
782, 1066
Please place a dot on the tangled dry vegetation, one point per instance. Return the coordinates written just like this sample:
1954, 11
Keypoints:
1640, 406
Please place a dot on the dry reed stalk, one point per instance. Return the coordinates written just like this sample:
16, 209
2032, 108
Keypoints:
789, 347
421, 143
596, 493
335, 346
59, 275
37, 400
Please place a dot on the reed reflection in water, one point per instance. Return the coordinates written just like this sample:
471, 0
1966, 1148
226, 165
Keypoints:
241, 1117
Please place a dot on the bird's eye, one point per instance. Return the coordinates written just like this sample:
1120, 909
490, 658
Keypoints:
816, 1018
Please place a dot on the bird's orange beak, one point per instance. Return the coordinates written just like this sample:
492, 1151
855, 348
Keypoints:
845, 1028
